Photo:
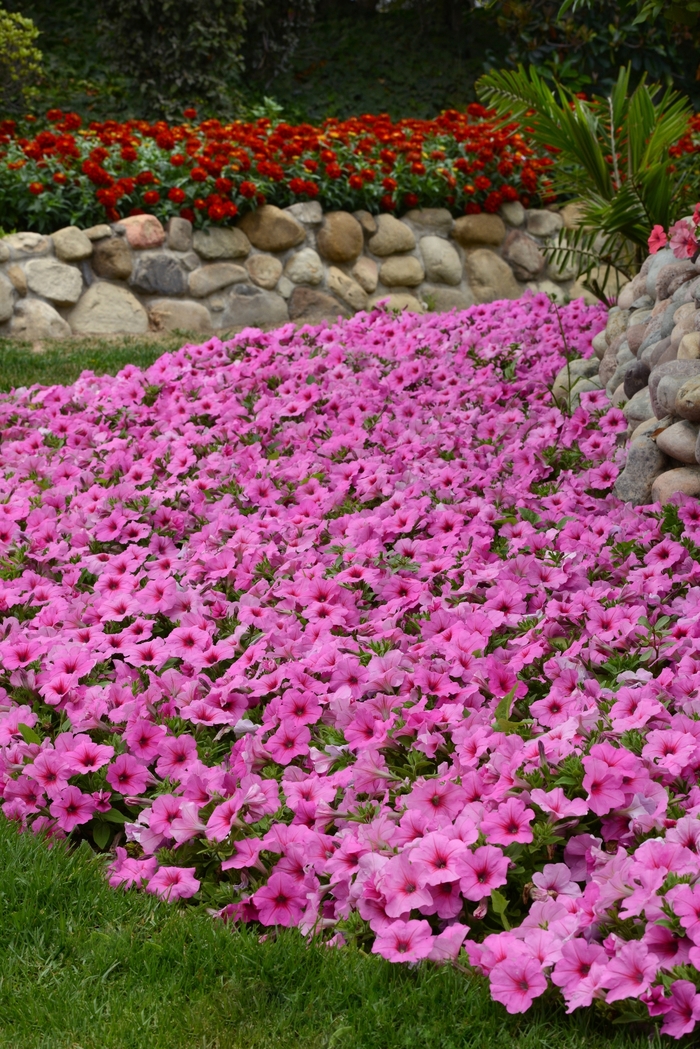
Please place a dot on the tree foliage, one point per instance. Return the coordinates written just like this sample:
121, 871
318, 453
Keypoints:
613, 158
20, 61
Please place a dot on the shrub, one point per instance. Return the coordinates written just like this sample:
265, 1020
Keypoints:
20, 61
178, 51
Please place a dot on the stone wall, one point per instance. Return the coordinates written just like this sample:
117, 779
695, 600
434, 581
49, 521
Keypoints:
648, 360
274, 266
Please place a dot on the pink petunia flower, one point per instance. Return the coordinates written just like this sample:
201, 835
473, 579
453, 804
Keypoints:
657, 239
404, 941
173, 883
516, 982
72, 808
482, 871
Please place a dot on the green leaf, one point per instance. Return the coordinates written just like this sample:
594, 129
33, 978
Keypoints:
28, 734
115, 816
499, 904
101, 834
503, 709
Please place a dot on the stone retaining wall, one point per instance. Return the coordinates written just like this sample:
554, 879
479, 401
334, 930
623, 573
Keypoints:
648, 360
274, 266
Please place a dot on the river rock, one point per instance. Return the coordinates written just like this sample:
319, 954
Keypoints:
218, 243
112, 259
512, 212
399, 301
305, 267
439, 298
600, 345
366, 273
264, 270
71, 244
543, 223
27, 246
474, 231
617, 323
141, 231
98, 232
108, 308
490, 278
367, 221
18, 278
401, 271
247, 306
689, 347
523, 255
656, 263
340, 238
158, 273
309, 306
271, 229
687, 401
571, 377
636, 378
679, 441
686, 480
216, 275
35, 320
638, 408
307, 211
435, 222
346, 289
179, 315
652, 427
179, 234
677, 372
441, 261
671, 276
7, 299
54, 280
645, 461
391, 237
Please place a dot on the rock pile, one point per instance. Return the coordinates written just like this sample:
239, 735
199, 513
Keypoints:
648, 361
274, 266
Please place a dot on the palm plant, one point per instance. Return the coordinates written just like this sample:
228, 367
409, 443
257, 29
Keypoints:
614, 158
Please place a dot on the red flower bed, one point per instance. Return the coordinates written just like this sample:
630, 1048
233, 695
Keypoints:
210, 172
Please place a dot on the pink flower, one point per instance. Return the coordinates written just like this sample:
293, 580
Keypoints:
509, 823
88, 756
482, 871
127, 872
657, 239
577, 960
72, 808
437, 856
603, 783
684, 1011
177, 753
685, 901
280, 902
174, 883
289, 741
404, 885
555, 802
682, 240
516, 982
224, 818
404, 941
128, 776
630, 973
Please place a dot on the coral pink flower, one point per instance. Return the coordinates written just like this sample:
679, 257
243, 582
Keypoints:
174, 883
657, 239
482, 871
72, 808
682, 240
630, 973
404, 941
516, 982
404, 886
280, 901
509, 823
684, 1010
437, 857
128, 776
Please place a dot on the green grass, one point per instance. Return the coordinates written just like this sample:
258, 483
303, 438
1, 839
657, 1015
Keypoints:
83, 966
62, 361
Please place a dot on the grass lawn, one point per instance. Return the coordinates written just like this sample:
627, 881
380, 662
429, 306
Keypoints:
83, 966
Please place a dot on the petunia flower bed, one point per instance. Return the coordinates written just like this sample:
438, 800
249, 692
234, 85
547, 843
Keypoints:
56, 172
339, 629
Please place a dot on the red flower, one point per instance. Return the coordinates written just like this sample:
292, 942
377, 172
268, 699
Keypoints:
411, 200
54, 114
481, 182
224, 185
472, 208
216, 212
200, 204
389, 184
145, 178
176, 194
188, 213
198, 175
356, 182
59, 178
152, 196
334, 171
37, 188
177, 160
418, 168
128, 153
311, 165
388, 202
189, 114
247, 189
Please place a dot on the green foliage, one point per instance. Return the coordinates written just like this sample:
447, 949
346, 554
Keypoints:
613, 159
178, 52
20, 62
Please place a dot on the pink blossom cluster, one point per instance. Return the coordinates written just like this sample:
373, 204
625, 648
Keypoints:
682, 237
341, 628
